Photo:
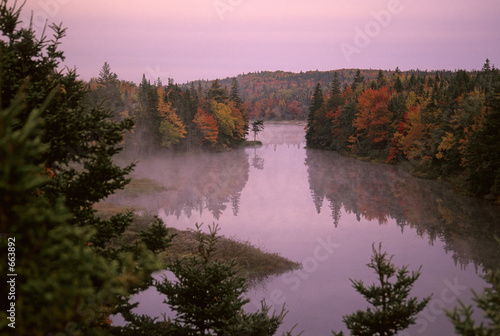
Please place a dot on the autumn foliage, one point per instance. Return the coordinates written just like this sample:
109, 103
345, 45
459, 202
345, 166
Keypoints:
439, 124
168, 116
208, 127
171, 127
373, 118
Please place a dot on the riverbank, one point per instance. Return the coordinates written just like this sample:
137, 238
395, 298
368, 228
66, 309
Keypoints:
253, 263
286, 122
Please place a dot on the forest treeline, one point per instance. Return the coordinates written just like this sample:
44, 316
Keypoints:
282, 95
182, 116
166, 116
437, 126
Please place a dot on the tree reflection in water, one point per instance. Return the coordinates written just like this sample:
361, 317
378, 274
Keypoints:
378, 192
192, 182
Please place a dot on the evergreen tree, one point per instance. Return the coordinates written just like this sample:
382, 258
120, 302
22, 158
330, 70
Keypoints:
234, 94
358, 80
481, 153
486, 67
488, 302
207, 296
52, 295
105, 74
486, 76
257, 127
217, 92
316, 103
193, 92
157, 237
342, 126
335, 99
55, 222
392, 309
88, 139
381, 79
149, 120
199, 90
106, 94
398, 85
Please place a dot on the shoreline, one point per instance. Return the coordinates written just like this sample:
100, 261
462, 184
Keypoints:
287, 122
254, 263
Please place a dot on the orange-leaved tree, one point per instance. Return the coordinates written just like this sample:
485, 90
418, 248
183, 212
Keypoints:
207, 126
373, 119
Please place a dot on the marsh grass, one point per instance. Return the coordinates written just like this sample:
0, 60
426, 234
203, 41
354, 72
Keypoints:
253, 263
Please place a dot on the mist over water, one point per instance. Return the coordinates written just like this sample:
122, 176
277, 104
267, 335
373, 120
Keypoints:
325, 211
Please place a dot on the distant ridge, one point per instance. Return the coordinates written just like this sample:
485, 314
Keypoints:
285, 95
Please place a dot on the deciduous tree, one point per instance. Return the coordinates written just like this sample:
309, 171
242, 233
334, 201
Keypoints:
225, 121
373, 118
207, 126
171, 127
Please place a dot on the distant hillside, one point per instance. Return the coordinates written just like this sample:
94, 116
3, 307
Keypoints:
280, 95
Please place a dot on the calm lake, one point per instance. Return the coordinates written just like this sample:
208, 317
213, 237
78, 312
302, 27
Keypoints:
325, 211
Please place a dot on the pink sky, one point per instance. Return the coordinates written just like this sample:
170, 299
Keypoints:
206, 39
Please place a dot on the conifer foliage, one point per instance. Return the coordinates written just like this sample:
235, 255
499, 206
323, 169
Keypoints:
56, 163
207, 297
488, 302
392, 309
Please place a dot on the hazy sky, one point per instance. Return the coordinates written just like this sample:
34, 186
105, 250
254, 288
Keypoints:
192, 39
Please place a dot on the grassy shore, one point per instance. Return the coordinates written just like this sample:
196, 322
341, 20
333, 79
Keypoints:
253, 263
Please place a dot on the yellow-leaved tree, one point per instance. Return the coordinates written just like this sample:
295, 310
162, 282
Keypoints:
225, 120
171, 127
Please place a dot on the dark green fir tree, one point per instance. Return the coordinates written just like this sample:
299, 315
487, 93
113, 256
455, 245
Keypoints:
207, 296
335, 100
358, 80
56, 159
217, 92
488, 302
316, 103
392, 310
234, 94
257, 127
